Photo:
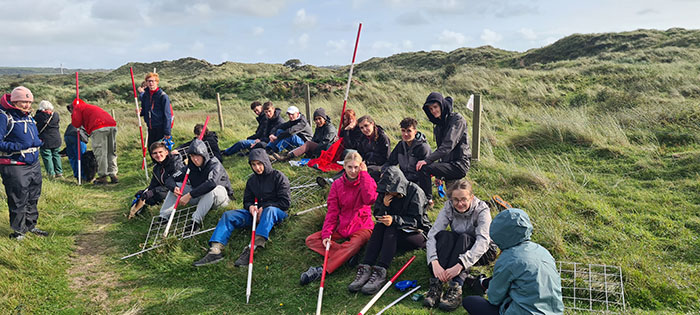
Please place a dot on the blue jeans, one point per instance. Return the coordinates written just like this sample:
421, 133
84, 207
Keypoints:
290, 142
240, 145
241, 218
72, 153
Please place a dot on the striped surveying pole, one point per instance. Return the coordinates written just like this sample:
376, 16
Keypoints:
77, 101
386, 286
248, 289
323, 279
347, 87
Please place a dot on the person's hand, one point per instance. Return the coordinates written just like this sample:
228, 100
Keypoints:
177, 191
273, 138
167, 137
386, 219
140, 90
327, 241
363, 166
420, 164
185, 199
387, 199
438, 271
453, 271
254, 143
253, 210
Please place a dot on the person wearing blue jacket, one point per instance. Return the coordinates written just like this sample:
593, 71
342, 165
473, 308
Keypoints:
156, 110
19, 161
525, 278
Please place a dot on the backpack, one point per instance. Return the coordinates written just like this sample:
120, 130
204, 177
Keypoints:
88, 165
10, 123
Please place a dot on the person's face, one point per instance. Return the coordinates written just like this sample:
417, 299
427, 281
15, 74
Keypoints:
408, 134
152, 83
366, 127
352, 169
435, 109
461, 200
257, 110
159, 154
293, 116
270, 112
320, 121
197, 159
257, 166
25, 106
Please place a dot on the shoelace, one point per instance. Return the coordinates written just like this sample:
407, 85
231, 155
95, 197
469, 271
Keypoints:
373, 277
359, 274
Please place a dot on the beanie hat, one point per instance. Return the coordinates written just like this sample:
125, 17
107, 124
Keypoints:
21, 93
292, 110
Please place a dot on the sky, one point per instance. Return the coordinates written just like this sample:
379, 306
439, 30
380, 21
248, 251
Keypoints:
109, 33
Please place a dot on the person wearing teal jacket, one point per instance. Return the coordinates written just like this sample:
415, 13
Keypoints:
525, 278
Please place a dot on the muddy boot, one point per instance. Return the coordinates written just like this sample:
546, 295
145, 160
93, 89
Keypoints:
376, 281
102, 180
113, 179
452, 298
434, 294
363, 273
260, 242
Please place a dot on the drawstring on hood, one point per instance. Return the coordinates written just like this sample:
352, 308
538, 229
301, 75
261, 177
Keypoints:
445, 107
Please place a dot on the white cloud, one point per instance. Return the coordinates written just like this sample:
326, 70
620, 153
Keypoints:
337, 45
301, 42
197, 46
156, 47
407, 44
303, 20
528, 33
451, 38
257, 31
490, 37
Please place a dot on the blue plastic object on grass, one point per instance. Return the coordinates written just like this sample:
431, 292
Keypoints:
441, 191
406, 284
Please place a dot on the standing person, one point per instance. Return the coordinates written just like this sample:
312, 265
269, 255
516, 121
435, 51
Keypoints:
406, 154
349, 218
291, 134
19, 161
402, 223
156, 110
102, 128
451, 159
166, 165
525, 278
373, 145
324, 136
70, 136
267, 194
451, 253
47, 121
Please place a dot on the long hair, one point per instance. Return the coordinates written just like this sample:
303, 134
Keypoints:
375, 133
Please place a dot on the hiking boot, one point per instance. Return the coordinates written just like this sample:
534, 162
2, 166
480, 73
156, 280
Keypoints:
209, 259
113, 179
376, 280
39, 232
17, 236
434, 293
313, 274
363, 274
102, 180
260, 242
452, 298
244, 258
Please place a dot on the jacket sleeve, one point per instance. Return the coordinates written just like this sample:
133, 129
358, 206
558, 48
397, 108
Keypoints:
500, 283
39, 122
84, 137
422, 151
327, 135
177, 177
441, 223
368, 191
294, 129
481, 244
76, 118
248, 195
283, 193
209, 184
154, 183
259, 132
331, 220
409, 217
168, 114
379, 207
6, 146
393, 158
283, 126
142, 100
382, 154
456, 128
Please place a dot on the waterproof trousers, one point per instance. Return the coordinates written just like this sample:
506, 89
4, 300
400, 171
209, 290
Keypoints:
217, 197
339, 252
23, 188
386, 240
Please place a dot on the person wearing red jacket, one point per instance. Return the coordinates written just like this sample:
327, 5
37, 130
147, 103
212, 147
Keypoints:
349, 217
102, 129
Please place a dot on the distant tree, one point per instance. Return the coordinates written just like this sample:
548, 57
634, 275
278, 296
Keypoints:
293, 63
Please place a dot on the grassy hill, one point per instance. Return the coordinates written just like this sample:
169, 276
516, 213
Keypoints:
595, 136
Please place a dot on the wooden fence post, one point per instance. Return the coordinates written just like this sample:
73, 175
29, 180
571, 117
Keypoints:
221, 116
476, 128
308, 103
113, 114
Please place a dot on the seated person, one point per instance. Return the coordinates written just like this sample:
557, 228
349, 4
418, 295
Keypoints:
208, 185
349, 218
349, 131
452, 252
165, 166
373, 146
401, 224
525, 278
324, 136
290, 134
408, 152
210, 138
266, 199
451, 159
269, 122
70, 136
260, 117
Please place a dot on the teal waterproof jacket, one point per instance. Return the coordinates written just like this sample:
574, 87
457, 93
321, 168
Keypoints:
525, 278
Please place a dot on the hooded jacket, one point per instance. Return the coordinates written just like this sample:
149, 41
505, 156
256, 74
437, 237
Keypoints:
260, 131
407, 156
450, 132
19, 139
271, 124
90, 116
164, 170
211, 138
525, 278
349, 205
407, 212
51, 136
299, 127
351, 138
324, 136
72, 132
271, 188
475, 222
374, 152
157, 111
205, 178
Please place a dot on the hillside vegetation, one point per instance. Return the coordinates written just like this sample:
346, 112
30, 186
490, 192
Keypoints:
595, 136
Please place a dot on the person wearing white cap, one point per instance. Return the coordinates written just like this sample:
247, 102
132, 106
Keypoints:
291, 134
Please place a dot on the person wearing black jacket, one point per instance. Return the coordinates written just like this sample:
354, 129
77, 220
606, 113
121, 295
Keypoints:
47, 121
290, 134
266, 199
402, 223
451, 159
261, 118
210, 138
408, 152
166, 164
373, 146
350, 131
70, 137
324, 136
208, 186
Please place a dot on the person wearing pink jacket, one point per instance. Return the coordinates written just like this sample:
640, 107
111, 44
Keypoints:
349, 217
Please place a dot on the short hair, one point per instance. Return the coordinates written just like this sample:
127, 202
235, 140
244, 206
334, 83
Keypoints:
152, 75
198, 129
255, 104
353, 156
462, 184
408, 122
45, 105
156, 145
267, 105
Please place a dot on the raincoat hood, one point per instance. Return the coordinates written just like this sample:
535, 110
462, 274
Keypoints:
445, 107
198, 147
6, 104
259, 154
392, 180
510, 227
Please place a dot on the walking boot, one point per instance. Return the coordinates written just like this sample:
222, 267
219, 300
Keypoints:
102, 180
434, 293
313, 274
452, 298
113, 179
37, 231
214, 255
363, 273
244, 258
376, 280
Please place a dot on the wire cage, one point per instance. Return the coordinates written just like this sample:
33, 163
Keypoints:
592, 288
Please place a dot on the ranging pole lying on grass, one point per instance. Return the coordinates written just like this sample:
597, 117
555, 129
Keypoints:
385, 287
252, 250
144, 166
311, 209
184, 183
77, 101
398, 300
323, 279
347, 86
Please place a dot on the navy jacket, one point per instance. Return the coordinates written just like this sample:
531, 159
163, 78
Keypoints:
157, 110
19, 141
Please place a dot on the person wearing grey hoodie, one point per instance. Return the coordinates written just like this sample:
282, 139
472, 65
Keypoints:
451, 253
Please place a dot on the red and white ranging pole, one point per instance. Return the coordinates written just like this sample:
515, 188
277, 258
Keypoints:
77, 101
323, 279
252, 250
347, 87
144, 166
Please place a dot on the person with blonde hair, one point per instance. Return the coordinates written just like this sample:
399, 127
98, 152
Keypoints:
156, 109
47, 121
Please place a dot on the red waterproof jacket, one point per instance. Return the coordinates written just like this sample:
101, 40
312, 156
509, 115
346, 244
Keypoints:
90, 117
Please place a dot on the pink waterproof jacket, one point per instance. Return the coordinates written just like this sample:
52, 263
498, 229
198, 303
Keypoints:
349, 205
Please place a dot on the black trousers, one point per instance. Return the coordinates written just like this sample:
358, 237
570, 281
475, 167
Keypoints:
23, 188
448, 171
154, 135
386, 240
452, 244
478, 305
423, 182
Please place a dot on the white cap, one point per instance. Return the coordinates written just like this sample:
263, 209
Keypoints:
292, 110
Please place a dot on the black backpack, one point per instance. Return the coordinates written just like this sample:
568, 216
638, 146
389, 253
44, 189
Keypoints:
88, 165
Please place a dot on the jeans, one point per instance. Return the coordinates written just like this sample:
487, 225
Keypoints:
238, 146
290, 142
236, 219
